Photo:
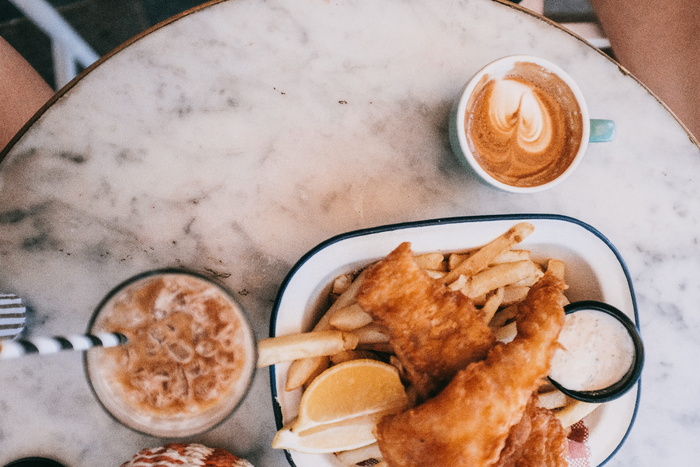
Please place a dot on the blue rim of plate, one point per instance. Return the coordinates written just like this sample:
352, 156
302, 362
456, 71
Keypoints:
444, 221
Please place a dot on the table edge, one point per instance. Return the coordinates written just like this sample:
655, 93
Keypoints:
66, 88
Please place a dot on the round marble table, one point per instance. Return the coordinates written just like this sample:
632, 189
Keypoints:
235, 138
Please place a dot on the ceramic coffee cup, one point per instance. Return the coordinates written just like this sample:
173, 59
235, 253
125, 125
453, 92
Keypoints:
522, 124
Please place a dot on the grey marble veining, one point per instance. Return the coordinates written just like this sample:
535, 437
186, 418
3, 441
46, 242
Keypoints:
235, 139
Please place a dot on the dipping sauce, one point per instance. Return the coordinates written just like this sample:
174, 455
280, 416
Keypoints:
598, 352
524, 128
189, 358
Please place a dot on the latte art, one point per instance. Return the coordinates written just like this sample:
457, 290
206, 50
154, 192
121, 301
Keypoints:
520, 115
524, 128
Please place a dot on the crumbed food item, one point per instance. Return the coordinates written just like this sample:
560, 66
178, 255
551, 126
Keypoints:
185, 455
537, 439
434, 331
469, 422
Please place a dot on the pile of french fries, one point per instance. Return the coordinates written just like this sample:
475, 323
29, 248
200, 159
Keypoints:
496, 277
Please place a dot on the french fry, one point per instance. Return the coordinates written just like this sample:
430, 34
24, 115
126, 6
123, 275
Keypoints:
480, 259
574, 412
350, 318
499, 275
342, 283
372, 333
459, 284
529, 281
455, 259
300, 371
508, 256
355, 456
553, 400
432, 261
435, 274
347, 298
556, 267
347, 355
304, 370
492, 303
513, 294
504, 315
506, 333
478, 301
279, 349
323, 364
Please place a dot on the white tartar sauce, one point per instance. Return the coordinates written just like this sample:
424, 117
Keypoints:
597, 352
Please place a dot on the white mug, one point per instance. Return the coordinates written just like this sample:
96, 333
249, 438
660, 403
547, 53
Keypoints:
516, 70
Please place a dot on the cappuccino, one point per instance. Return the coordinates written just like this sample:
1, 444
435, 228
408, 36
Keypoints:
189, 358
524, 127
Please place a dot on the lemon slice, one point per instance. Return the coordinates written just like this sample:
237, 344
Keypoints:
333, 437
350, 390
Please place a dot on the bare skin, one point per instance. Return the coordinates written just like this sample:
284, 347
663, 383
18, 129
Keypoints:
658, 42
22, 92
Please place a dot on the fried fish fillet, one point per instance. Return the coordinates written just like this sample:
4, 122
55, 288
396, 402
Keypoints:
468, 422
538, 439
434, 331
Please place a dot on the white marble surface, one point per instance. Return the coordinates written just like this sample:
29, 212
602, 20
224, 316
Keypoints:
238, 137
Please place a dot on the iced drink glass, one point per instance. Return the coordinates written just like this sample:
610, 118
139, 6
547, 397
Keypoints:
189, 359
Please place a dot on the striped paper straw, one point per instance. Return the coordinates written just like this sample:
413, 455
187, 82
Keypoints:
13, 316
51, 345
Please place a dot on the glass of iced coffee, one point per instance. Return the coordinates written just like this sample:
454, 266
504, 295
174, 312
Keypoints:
189, 359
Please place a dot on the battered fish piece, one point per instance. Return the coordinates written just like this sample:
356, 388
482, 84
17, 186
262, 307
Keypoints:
434, 331
467, 424
537, 440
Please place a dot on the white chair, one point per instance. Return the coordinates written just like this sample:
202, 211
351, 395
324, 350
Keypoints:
579, 17
576, 15
70, 51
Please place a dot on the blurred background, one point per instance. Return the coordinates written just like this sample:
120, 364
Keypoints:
102, 24
105, 24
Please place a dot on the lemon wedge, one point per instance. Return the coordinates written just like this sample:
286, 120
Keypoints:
333, 437
350, 390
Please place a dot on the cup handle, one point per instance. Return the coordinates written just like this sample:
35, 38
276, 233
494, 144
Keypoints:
602, 131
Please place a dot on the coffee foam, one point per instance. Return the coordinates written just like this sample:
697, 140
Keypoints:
524, 127
188, 360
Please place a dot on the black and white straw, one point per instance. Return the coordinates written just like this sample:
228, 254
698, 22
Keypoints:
13, 316
49, 345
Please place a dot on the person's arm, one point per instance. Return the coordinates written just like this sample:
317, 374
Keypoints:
22, 92
659, 43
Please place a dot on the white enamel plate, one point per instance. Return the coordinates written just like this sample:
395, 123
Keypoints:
595, 271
